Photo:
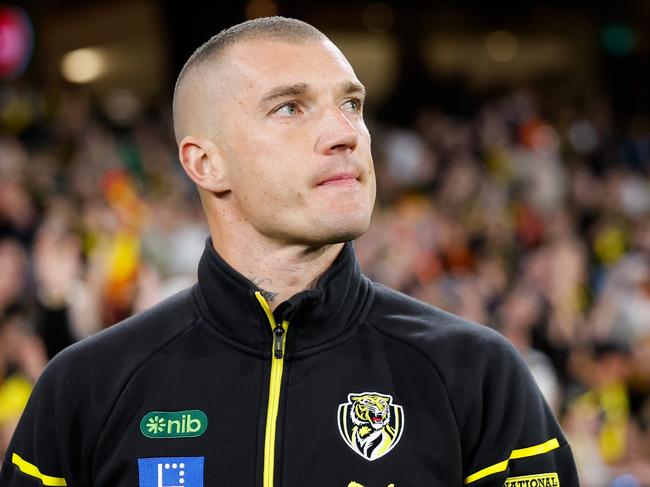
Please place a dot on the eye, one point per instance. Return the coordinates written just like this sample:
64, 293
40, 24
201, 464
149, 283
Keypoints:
353, 105
287, 110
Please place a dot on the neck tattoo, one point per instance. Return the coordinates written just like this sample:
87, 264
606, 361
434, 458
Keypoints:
266, 294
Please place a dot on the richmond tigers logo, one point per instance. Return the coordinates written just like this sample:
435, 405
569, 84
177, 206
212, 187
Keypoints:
371, 424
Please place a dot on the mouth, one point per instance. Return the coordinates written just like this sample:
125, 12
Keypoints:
341, 178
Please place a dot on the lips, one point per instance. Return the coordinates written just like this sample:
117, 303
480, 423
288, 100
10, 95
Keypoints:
339, 178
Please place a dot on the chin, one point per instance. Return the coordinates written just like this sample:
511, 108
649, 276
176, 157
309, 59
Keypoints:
341, 230
342, 237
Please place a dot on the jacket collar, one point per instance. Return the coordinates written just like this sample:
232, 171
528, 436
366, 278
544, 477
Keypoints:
318, 316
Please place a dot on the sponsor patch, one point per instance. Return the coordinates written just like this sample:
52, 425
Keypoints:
171, 472
370, 424
174, 424
539, 480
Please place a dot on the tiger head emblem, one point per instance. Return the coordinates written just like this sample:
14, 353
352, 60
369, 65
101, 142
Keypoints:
370, 410
370, 423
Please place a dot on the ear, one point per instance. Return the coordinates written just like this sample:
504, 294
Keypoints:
203, 164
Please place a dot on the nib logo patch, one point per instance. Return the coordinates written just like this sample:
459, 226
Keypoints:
174, 424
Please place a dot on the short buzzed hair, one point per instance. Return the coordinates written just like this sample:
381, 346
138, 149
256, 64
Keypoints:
279, 28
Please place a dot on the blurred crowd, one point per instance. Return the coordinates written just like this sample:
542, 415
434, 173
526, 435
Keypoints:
532, 220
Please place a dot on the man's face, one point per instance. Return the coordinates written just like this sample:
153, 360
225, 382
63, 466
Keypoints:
292, 137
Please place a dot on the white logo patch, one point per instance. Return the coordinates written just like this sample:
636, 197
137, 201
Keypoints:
370, 424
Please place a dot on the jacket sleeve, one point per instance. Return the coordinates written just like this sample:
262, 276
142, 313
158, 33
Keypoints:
508, 432
40, 450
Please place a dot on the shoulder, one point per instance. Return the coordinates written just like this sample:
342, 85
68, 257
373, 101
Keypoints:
413, 321
122, 347
476, 363
468, 357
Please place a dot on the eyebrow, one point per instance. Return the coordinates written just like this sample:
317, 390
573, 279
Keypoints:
347, 88
284, 91
350, 87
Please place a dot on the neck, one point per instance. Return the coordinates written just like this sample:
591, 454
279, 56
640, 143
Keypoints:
278, 270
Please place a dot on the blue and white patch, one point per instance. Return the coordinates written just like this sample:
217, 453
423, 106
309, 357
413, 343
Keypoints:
171, 472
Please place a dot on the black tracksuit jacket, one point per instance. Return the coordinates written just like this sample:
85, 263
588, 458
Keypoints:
348, 384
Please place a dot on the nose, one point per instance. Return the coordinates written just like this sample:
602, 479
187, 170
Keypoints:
337, 134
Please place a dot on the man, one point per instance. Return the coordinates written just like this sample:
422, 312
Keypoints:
284, 366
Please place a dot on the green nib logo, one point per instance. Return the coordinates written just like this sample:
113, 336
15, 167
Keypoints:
156, 425
174, 424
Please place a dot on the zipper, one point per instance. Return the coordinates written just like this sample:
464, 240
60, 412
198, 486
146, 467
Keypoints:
275, 383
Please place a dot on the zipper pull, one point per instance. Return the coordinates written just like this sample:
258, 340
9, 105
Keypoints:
278, 335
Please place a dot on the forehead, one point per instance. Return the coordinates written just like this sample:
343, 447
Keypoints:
252, 67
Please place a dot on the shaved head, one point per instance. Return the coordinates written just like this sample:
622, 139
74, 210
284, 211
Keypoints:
195, 89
